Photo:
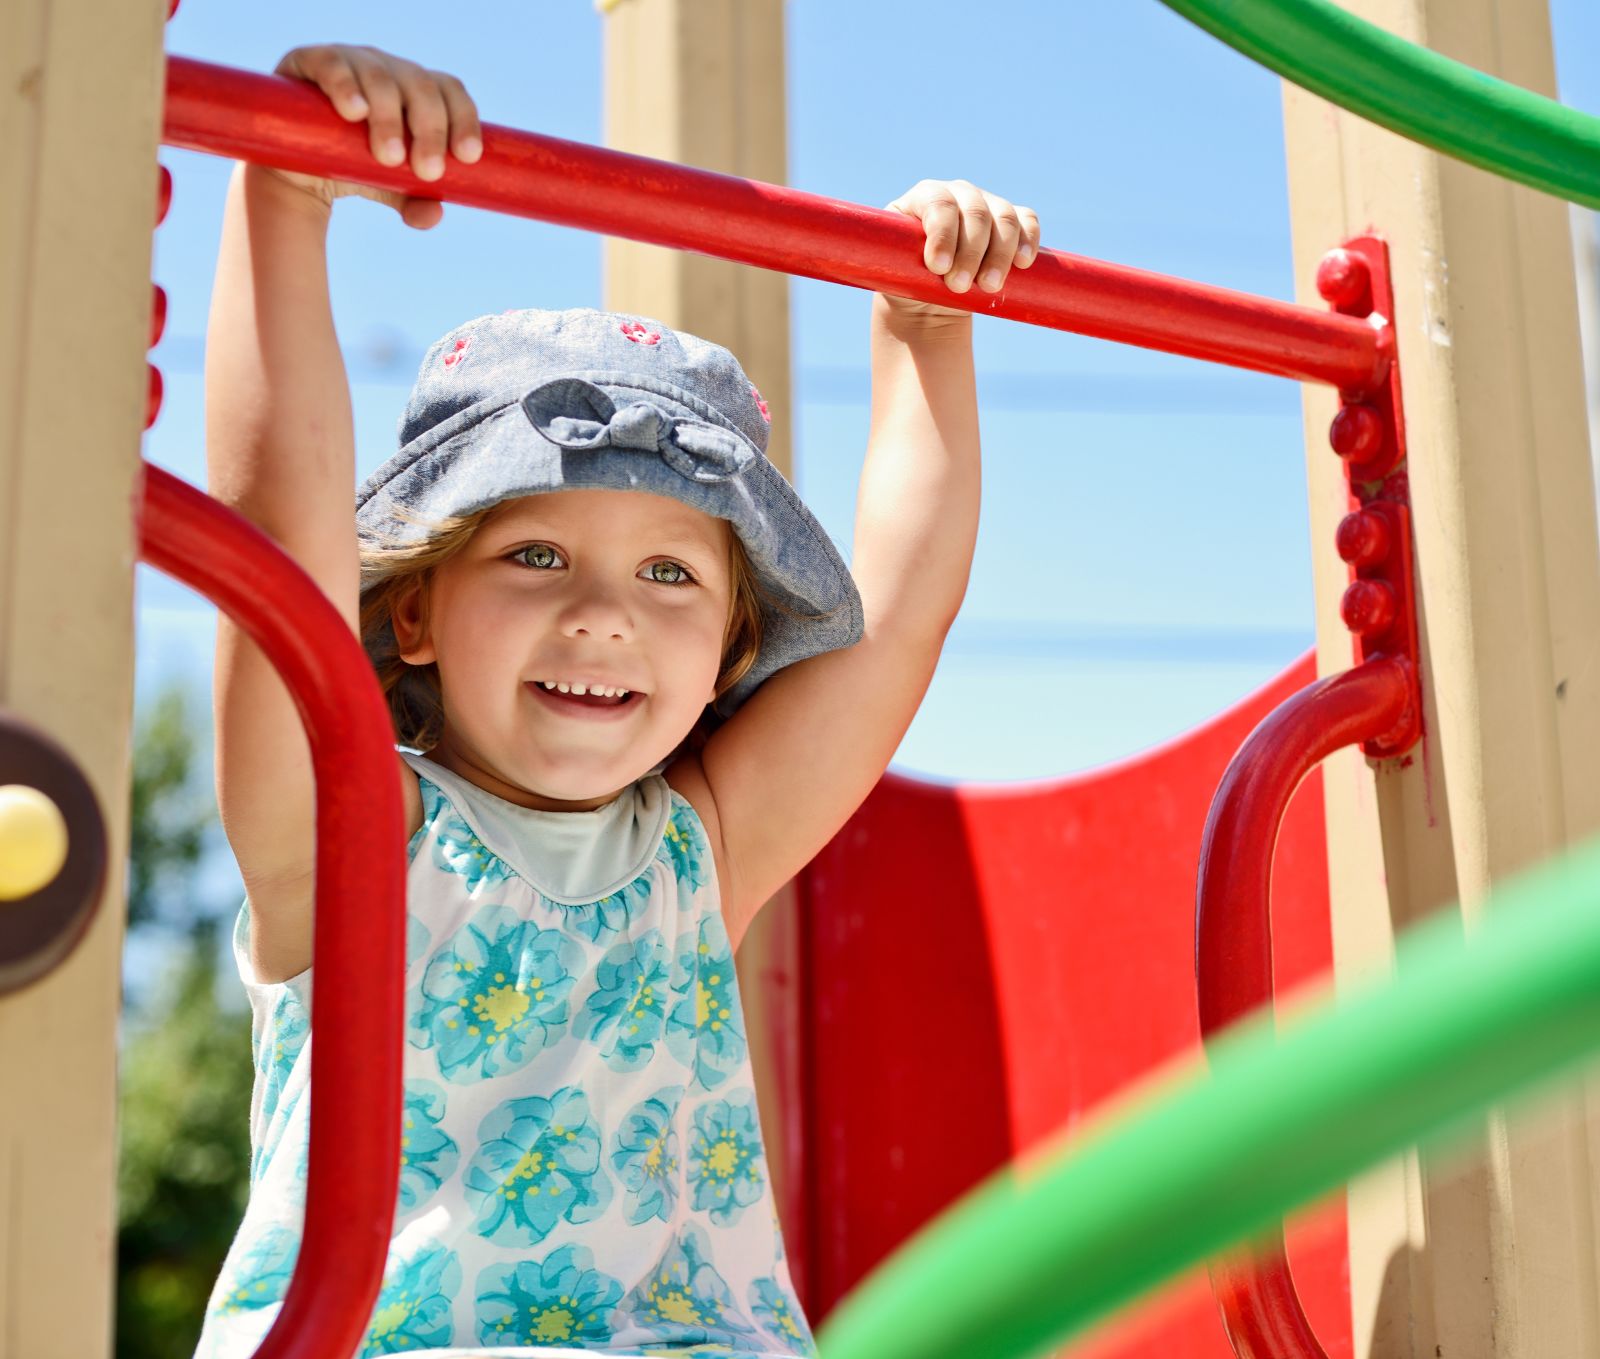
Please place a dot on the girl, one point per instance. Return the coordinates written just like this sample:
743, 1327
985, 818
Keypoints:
644, 703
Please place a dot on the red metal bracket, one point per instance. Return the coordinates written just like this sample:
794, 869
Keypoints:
1380, 605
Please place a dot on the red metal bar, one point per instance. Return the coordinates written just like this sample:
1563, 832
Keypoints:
1233, 930
280, 122
358, 987
1261, 1311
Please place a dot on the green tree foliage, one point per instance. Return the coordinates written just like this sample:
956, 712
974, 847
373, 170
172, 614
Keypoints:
184, 1156
169, 815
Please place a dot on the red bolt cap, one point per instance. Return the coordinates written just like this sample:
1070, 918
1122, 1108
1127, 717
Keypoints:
163, 194
1356, 432
1343, 278
1368, 607
1362, 538
158, 314
152, 404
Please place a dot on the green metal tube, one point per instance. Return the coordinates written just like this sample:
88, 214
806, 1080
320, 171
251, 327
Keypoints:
1056, 1241
1421, 95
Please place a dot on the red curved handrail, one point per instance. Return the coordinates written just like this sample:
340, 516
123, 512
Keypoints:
1261, 1311
275, 121
358, 987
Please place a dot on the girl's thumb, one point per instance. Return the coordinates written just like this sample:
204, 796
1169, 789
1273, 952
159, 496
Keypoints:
421, 213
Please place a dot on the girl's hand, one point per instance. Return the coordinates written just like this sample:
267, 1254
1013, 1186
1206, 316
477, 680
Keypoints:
972, 236
394, 96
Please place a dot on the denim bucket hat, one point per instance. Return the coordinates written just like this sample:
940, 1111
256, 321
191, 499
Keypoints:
535, 401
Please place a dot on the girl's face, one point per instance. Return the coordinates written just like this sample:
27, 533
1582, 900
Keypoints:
590, 590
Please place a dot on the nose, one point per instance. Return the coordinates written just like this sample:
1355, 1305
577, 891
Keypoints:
596, 611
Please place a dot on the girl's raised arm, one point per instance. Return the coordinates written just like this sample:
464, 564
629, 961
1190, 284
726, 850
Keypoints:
803, 752
280, 451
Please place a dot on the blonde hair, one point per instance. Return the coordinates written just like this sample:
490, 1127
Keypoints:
391, 571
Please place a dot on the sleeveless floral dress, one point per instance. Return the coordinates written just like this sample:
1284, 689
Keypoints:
582, 1165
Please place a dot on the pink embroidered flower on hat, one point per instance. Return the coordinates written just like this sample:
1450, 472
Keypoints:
454, 357
761, 404
640, 333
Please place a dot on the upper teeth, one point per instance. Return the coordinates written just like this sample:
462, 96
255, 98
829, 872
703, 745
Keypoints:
565, 688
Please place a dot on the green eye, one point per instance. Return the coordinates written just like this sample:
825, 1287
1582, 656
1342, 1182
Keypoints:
668, 573
541, 555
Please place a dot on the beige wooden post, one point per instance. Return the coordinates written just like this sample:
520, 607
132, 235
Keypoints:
80, 91
1586, 252
701, 82
1489, 1253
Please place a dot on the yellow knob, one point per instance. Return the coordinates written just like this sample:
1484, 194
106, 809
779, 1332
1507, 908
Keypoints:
33, 841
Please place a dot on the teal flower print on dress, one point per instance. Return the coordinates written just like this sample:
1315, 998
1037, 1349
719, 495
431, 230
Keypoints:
690, 1351
684, 1300
703, 1030
261, 1277
684, 846
625, 1013
417, 939
433, 802
413, 1308
285, 1122
644, 1153
562, 1300
281, 1041
292, 1150
457, 849
494, 995
538, 1162
428, 1154
779, 1315
725, 1158
599, 920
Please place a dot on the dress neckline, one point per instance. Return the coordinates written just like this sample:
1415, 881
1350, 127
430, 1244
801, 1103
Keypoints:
572, 858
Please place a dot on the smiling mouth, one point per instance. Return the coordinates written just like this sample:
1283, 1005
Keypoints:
586, 696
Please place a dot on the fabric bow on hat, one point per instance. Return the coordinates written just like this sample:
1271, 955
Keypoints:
572, 413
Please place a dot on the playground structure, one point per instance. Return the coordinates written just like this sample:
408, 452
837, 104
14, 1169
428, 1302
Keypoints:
1505, 551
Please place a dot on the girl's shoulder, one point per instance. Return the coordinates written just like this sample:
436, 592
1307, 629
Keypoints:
686, 776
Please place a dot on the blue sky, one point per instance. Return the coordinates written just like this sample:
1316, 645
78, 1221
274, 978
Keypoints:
1102, 590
